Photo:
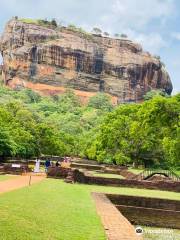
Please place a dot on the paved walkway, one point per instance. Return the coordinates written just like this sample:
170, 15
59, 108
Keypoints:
18, 182
116, 226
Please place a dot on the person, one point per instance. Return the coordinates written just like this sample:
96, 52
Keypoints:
47, 164
37, 166
57, 163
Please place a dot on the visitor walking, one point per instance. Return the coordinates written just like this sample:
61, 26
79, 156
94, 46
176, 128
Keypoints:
57, 163
47, 164
37, 166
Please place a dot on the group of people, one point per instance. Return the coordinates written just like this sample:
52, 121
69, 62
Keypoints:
48, 163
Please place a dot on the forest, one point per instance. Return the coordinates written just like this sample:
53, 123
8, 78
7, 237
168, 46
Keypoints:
146, 133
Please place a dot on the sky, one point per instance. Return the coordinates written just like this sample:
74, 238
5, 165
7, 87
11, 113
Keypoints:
153, 23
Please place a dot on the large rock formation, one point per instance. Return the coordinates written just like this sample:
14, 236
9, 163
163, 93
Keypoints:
51, 59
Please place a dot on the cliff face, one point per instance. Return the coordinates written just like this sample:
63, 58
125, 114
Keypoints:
50, 60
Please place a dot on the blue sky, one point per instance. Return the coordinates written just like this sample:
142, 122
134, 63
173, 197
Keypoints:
153, 23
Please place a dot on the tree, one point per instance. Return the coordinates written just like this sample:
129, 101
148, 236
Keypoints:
54, 23
101, 101
49, 141
28, 96
97, 31
153, 93
106, 34
123, 35
157, 57
72, 27
7, 145
117, 35
144, 133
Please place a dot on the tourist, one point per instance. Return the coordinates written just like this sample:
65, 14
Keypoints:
37, 166
47, 164
57, 163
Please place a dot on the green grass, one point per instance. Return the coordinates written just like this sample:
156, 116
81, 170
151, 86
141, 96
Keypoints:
29, 20
107, 175
5, 177
177, 172
39, 22
135, 170
55, 210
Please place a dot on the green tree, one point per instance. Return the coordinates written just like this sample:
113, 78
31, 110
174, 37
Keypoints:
97, 30
106, 34
153, 93
7, 145
54, 23
101, 101
123, 35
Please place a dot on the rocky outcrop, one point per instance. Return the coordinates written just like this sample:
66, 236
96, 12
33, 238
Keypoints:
52, 59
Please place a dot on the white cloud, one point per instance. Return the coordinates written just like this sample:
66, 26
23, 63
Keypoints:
152, 42
137, 14
114, 13
132, 17
136, 18
176, 35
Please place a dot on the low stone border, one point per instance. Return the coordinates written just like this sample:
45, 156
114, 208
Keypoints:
116, 226
157, 185
148, 211
9, 169
81, 177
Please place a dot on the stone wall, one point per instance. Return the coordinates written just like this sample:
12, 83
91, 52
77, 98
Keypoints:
146, 202
61, 172
58, 172
160, 185
9, 169
148, 211
80, 177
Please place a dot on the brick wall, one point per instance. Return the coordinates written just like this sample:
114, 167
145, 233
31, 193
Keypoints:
160, 185
148, 211
81, 178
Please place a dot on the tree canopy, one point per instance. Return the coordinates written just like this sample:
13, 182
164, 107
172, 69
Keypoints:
146, 133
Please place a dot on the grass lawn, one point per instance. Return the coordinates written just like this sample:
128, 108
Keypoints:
177, 172
135, 170
6, 177
54, 210
107, 175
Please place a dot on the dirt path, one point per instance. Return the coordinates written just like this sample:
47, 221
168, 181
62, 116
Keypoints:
19, 182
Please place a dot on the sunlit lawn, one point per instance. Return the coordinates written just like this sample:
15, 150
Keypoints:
6, 177
54, 210
135, 170
106, 175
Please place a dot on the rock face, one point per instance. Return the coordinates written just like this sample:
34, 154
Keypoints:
52, 59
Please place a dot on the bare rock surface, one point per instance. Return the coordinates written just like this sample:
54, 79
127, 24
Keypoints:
49, 60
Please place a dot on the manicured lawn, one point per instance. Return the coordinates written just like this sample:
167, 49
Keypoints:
107, 175
177, 172
54, 210
6, 177
135, 170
